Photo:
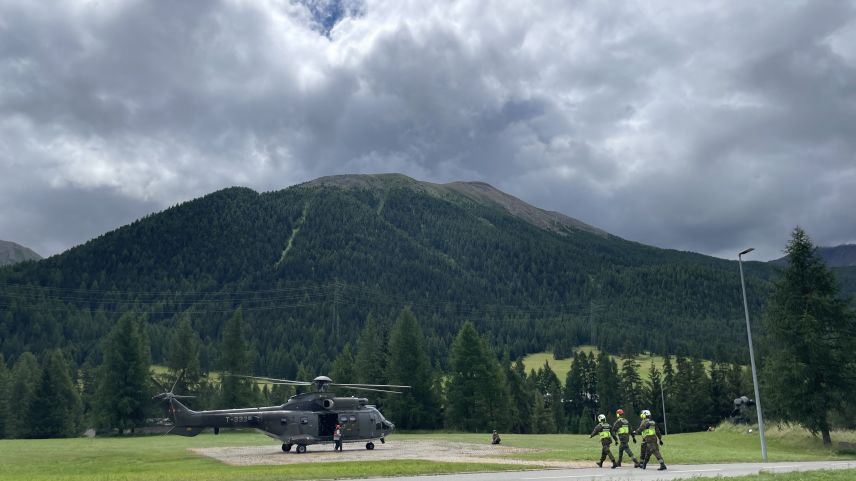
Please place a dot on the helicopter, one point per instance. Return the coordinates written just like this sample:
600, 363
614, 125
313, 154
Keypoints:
305, 419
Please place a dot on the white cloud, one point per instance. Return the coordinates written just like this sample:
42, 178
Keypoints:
701, 126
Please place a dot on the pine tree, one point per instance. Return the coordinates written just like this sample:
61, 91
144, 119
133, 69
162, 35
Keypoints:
123, 393
236, 392
608, 387
408, 364
576, 397
24, 379
183, 359
343, 370
370, 358
521, 398
808, 372
477, 396
551, 390
55, 409
655, 397
633, 392
5, 381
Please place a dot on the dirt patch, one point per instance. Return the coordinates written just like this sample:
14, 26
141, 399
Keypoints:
450, 452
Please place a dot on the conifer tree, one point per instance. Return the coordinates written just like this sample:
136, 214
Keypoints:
342, 370
370, 358
576, 397
608, 384
55, 409
654, 397
408, 364
122, 393
236, 392
183, 359
633, 392
477, 396
551, 390
4, 395
24, 378
808, 372
521, 398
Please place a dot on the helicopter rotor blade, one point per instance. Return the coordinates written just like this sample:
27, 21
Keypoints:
373, 389
370, 385
274, 380
158, 383
180, 375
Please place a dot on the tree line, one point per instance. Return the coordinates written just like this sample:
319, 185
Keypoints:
805, 356
479, 391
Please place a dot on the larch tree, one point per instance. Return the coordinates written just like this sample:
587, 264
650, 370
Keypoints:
55, 409
4, 395
808, 373
477, 395
235, 391
123, 391
408, 364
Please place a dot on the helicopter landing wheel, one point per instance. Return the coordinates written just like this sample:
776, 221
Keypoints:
301, 448
369, 446
286, 447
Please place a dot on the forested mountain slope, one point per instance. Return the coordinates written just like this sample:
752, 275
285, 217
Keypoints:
838, 256
307, 264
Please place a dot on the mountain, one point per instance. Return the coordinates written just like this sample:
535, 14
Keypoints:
839, 256
308, 264
11, 253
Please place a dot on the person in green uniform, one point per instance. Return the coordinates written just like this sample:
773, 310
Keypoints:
651, 437
621, 429
605, 431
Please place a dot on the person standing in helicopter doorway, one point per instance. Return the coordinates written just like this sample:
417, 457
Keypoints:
605, 431
621, 428
651, 437
337, 437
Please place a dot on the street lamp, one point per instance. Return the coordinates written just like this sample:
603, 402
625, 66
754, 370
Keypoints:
752, 358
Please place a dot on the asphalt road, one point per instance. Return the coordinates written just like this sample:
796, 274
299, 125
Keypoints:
628, 473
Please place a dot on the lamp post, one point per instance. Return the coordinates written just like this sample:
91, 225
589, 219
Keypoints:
663, 399
752, 358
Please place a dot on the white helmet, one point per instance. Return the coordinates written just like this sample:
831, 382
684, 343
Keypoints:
646, 413
601, 418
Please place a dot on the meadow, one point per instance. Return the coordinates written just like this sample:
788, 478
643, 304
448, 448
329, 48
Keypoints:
169, 458
562, 366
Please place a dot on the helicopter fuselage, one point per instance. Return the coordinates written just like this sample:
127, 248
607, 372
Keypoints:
306, 419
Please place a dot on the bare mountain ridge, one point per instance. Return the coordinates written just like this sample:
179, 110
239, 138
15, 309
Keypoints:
12, 253
838, 256
478, 192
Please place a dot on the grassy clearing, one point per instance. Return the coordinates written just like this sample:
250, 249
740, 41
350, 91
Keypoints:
168, 458
726, 445
561, 367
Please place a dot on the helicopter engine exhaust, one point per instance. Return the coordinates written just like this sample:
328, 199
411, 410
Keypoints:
328, 404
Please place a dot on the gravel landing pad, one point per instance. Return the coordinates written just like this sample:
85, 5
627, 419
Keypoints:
453, 452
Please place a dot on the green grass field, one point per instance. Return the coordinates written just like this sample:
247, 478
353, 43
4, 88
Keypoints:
823, 475
168, 458
561, 367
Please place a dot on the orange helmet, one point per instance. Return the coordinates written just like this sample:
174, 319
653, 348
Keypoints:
620, 412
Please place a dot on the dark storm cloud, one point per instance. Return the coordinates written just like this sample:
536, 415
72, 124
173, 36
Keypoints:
701, 126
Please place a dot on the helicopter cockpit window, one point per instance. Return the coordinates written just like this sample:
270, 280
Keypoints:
304, 420
353, 419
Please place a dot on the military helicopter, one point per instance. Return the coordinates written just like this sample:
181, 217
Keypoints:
307, 418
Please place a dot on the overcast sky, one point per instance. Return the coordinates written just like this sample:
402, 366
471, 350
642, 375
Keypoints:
708, 126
